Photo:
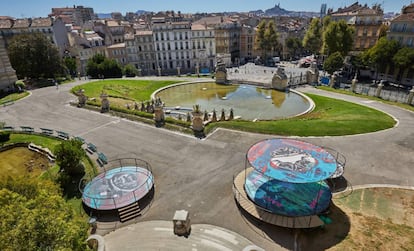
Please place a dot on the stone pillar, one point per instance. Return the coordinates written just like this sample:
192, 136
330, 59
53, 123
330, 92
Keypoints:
198, 70
104, 102
378, 91
354, 82
411, 96
178, 71
159, 71
333, 80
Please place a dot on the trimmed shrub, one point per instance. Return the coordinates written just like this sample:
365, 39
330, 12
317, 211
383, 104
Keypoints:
4, 136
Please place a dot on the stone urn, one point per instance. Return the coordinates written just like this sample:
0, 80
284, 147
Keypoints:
159, 116
81, 98
197, 122
104, 102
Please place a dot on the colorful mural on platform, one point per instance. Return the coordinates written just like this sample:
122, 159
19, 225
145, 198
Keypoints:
117, 188
285, 198
291, 160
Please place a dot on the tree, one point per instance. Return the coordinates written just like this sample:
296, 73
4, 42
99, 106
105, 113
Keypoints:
32, 55
294, 46
99, 65
338, 36
404, 59
70, 64
130, 70
69, 155
333, 63
267, 38
312, 41
381, 54
36, 217
383, 31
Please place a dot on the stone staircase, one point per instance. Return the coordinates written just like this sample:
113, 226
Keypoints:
129, 212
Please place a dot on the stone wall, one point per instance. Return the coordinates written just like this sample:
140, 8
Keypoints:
7, 73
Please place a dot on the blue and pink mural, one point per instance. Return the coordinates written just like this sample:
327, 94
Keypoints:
291, 160
285, 198
117, 188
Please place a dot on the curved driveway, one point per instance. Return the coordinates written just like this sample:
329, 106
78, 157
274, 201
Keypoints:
196, 175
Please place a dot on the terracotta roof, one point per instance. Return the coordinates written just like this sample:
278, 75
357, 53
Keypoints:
404, 18
21, 23
41, 22
5, 24
200, 27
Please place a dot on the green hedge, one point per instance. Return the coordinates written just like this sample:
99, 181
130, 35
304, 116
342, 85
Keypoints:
4, 136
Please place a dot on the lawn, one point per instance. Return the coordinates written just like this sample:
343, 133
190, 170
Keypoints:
13, 97
331, 117
18, 161
405, 106
132, 90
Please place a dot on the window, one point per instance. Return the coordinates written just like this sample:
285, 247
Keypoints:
139, 48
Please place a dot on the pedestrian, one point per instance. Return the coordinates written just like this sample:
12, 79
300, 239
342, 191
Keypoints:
56, 84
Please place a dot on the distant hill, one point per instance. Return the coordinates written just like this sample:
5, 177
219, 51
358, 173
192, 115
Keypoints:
141, 12
278, 11
275, 11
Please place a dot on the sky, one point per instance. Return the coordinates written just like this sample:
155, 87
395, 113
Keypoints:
41, 8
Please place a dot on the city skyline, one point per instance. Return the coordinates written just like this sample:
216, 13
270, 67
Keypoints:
25, 9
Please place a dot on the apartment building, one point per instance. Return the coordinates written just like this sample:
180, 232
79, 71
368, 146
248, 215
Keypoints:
228, 39
203, 47
140, 51
366, 21
172, 41
402, 27
85, 45
76, 15
247, 38
53, 29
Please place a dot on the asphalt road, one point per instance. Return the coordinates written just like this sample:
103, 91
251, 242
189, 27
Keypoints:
196, 175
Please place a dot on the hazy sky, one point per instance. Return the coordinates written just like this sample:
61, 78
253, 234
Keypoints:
41, 8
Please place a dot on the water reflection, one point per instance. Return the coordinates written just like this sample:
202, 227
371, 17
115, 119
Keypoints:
248, 101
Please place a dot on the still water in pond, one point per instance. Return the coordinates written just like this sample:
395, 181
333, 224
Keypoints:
247, 101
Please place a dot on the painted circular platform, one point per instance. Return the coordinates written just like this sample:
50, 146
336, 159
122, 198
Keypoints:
117, 188
291, 160
285, 198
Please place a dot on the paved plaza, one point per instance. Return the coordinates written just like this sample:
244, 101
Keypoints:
196, 175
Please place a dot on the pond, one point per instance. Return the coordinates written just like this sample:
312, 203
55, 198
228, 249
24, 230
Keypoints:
249, 102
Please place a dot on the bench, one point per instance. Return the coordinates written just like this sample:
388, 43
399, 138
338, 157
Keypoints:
102, 159
80, 139
8, 128
46, 131
27, 129
7, 102
91, 148
62, 135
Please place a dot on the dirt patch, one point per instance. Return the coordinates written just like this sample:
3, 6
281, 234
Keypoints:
21, 161
366, 219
